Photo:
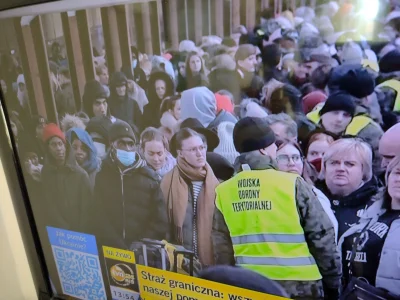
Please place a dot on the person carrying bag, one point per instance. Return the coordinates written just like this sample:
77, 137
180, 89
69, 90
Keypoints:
358, 288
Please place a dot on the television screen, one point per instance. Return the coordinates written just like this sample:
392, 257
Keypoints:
206, 149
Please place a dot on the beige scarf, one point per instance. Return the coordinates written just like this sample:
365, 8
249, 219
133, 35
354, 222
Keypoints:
176, 191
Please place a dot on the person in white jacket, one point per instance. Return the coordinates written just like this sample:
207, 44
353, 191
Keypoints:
289, 158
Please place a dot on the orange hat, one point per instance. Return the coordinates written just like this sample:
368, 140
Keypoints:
223, 103
52, 130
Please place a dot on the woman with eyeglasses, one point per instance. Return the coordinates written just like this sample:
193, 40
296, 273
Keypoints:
347, 180
290, 159
189, 191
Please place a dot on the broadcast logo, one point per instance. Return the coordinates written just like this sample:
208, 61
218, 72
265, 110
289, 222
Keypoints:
122, 274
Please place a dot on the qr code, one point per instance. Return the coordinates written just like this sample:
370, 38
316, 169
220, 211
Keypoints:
80, 274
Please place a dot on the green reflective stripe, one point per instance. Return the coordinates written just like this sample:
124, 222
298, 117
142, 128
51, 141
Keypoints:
266, 238
275, 261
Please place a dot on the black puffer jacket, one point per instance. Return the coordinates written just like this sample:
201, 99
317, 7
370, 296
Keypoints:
348, 209
129, 206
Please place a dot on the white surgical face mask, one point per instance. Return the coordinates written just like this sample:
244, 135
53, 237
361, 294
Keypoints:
101, 149
134, 64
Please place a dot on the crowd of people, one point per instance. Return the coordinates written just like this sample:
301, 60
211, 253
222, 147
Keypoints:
276, 149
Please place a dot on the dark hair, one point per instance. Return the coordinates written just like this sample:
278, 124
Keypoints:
163, 76
186, 133
307, 88
169, 103
14, 118
286, 99
54, 45
271, 55
386, 99
135, 51
320, 76
95, 52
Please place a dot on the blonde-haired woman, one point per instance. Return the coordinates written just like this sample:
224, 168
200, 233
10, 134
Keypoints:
196, 71
154, 146
347, 180
375, 239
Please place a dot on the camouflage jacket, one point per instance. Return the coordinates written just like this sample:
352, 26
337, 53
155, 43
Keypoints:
318, 231
372, 135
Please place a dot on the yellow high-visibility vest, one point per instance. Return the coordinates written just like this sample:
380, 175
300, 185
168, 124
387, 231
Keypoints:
314, 114
260, 210
393, 84
358, 123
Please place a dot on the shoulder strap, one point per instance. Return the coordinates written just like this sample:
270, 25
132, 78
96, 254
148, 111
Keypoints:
354, 249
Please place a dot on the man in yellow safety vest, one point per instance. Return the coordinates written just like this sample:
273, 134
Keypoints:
272, 223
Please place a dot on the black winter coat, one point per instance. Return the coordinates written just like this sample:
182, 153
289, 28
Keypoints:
129, 206
126, 109
67, 195
349, 208
63, 199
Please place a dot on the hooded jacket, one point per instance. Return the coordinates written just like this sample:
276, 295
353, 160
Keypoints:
125, 107
223, 116
199, 103
318, 231
67, 196
93, 90
92, 163
348, 209
129, 205
152, 109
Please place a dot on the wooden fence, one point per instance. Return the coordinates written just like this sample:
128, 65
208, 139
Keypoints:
151, 25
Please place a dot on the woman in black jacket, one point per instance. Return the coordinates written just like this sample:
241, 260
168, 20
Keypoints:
160, 86
348, 180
